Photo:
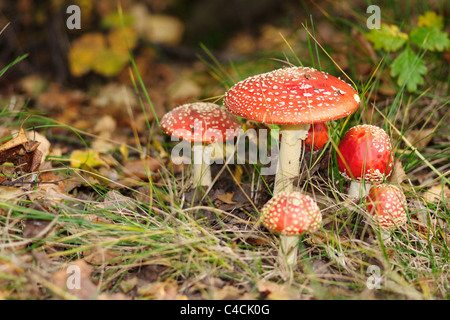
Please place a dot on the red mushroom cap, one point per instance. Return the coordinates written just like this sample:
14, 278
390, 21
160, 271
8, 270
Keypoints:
291, 213
317, 136
367, 152
200, 122
295, 95
386, 205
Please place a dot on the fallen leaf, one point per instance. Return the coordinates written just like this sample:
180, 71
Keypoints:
90, 158
162, 28
116, 201
109, 62
100, 255
275, 291
226, 197
44, 144
419, 138
75, 279
437, 194
115, 97
20, 139
105, 126
398, 174
183, 91
128, 285
83, 52
141, 168
33, 227
167, 290
7, 193
227, 292
122, 39
22, 152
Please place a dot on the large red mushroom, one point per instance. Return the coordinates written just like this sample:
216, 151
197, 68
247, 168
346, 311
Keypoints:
293, 98
364, 155
202, 123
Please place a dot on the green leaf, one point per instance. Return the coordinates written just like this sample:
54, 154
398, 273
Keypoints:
388, 37
410, 69
431, 19
430, 38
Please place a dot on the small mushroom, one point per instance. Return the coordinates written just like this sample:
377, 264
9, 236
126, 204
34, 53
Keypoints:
203, 124
365, 155
293, 98
317, 137
290, 213
386, 206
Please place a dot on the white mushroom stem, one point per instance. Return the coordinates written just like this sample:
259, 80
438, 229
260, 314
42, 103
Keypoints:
292, 137
201, 170
288, 249
355, 191
385, 236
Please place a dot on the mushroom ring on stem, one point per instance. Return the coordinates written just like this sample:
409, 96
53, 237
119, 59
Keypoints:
293, 98
290, 213
365, 154
204, 124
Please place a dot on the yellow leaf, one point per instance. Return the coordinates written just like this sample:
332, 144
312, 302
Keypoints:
120, 40
7, 193
124, 151
109, 63
91, 158
83, 52
431, 19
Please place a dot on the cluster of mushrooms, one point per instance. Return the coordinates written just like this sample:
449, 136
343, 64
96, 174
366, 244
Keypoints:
300, 100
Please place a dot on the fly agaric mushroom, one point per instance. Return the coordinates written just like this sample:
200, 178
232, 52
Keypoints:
385, 204
290, 213
365, 154
201, 123
294, 98
317, 137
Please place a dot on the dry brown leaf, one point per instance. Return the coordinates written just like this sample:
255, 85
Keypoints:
183, 91
162, 28
20, 139
141, 168
22, 152
228, 292
7, 193
115, 96
105, 126
128, 285
167, 290
437, 194
116, 201
419, 138
398, 174
122, 39
274, 291
75, 279
44, 144
100, 255
33, 227
227, 198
